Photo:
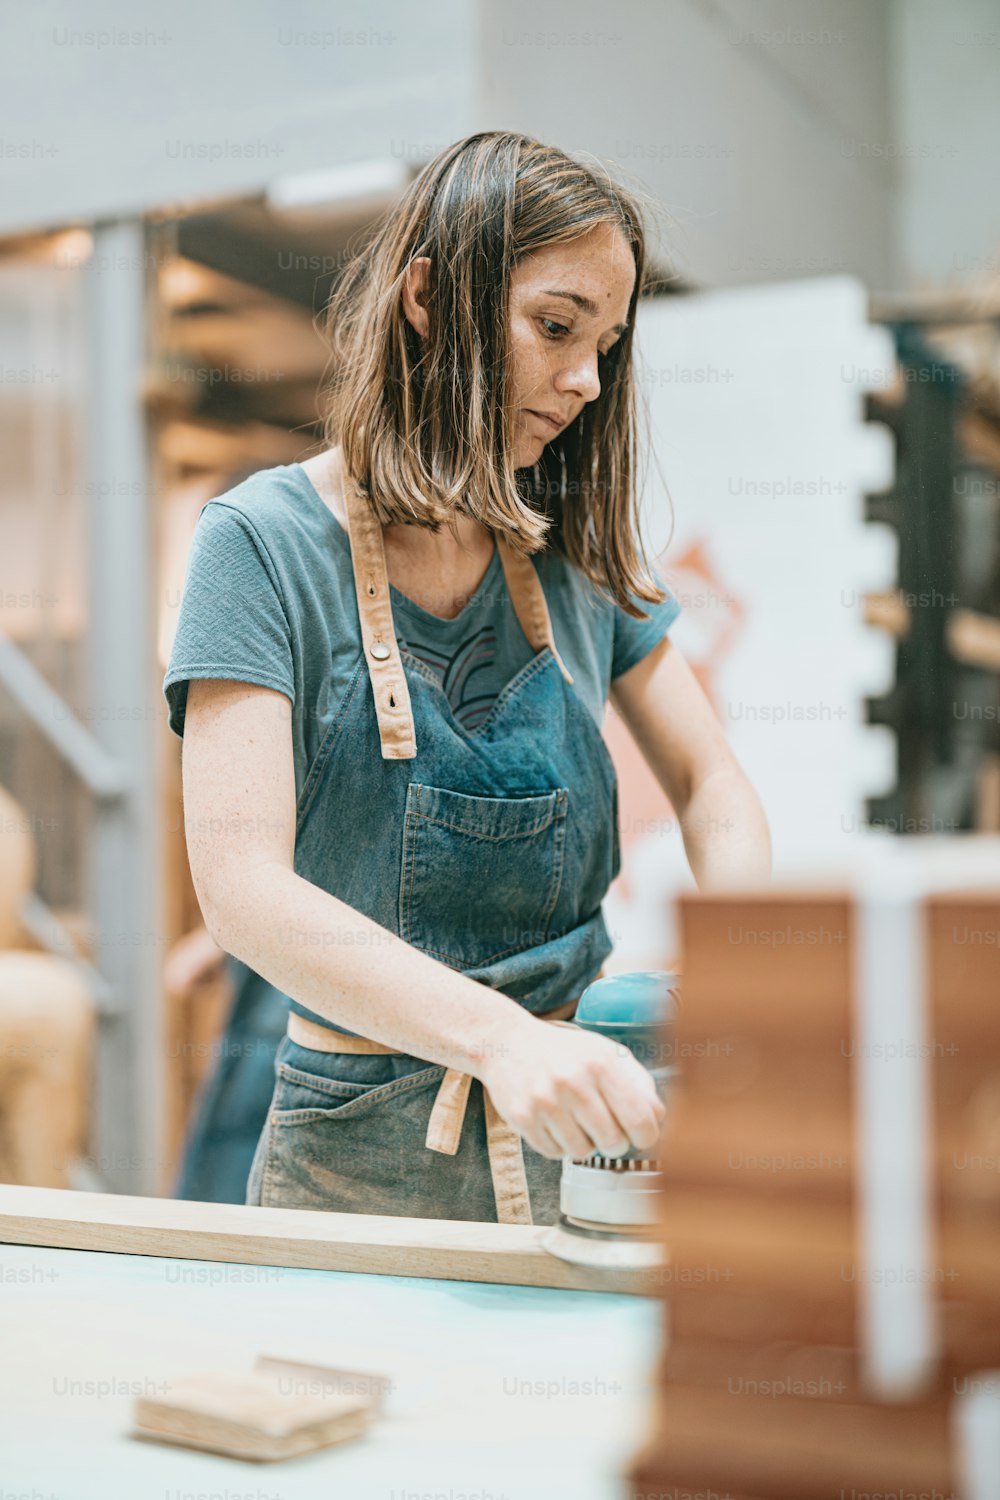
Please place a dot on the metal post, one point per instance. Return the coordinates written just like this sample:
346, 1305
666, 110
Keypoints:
125, 856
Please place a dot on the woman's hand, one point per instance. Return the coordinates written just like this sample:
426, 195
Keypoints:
569, 1092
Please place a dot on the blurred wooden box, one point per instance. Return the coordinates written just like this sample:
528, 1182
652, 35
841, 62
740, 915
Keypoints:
765, 1166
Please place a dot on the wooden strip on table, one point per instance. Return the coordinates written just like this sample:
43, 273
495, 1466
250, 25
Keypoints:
450, 1249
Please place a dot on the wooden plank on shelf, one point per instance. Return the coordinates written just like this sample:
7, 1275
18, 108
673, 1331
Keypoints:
263, 345
369, 1244
888, 611
988, 795
219, 445
974, 639
980, 439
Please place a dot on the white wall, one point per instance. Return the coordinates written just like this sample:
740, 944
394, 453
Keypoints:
740, 116
946, 70
734, 113
216, 96
783, 138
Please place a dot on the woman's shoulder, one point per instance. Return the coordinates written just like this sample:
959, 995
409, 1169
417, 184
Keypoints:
271, 522
269, 500
278, 509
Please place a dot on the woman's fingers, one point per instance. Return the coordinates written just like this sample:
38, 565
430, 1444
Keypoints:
576, 1095
571, 1140
632, 1098
544, 1142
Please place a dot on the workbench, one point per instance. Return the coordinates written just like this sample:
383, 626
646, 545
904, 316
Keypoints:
499, 1388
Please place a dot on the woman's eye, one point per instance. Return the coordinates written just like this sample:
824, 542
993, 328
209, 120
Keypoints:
560, 329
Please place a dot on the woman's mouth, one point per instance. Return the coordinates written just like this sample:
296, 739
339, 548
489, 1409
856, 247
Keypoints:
546, 422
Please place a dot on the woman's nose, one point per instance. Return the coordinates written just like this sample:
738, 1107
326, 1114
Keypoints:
582, 378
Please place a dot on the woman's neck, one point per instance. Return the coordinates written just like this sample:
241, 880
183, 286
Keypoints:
438, 569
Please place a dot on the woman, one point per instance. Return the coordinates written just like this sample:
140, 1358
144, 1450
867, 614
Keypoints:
399, 807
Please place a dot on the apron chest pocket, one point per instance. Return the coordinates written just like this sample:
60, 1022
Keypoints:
480, 875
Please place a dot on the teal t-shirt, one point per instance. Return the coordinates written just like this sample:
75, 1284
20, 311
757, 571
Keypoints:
269, 598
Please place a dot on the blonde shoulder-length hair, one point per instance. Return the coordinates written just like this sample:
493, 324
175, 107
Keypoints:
425, 426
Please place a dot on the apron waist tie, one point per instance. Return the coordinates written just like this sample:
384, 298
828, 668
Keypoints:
444, 1129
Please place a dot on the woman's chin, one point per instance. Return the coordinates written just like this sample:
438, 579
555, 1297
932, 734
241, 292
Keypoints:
529, 452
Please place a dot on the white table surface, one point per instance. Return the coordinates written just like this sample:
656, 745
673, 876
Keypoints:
499, 1392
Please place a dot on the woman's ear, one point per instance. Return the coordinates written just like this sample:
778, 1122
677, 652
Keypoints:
415, 294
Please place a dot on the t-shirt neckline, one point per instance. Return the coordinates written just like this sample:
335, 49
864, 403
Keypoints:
407, 605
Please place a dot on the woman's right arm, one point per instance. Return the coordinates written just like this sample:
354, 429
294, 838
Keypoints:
564, 1090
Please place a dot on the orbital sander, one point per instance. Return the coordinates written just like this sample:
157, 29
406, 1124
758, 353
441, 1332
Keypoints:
608, 1204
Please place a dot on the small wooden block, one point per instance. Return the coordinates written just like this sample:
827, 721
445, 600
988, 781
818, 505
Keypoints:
249, 1417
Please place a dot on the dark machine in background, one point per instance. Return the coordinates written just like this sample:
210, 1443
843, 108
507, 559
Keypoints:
944, 412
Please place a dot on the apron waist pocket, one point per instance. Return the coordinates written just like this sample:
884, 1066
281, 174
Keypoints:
444, 1130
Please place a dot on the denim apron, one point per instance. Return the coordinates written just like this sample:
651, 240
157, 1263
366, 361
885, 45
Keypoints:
491, 850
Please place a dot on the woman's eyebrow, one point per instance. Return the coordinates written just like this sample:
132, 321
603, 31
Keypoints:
584, 303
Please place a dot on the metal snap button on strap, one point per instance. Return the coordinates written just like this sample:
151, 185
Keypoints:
380, 650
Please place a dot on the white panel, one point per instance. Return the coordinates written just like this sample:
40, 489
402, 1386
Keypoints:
898, 1331
975, 1418
876, 661
877, 558
757, 404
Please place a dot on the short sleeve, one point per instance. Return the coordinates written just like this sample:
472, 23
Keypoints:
634, 639
232, 621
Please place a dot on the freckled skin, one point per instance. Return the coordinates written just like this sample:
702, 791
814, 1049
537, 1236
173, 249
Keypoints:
554, 372
560, 375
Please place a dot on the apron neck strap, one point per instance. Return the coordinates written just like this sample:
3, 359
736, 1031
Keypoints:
371, 581
528, 599
393, 709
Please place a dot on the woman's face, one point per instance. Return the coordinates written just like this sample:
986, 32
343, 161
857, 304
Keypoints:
568, 305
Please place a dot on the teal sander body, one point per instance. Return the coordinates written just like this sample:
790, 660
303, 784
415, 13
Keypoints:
608, 1204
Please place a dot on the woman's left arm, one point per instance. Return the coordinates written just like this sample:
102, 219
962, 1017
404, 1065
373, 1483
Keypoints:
726, 837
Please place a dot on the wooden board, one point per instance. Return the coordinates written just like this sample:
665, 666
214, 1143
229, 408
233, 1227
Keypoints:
452, 1249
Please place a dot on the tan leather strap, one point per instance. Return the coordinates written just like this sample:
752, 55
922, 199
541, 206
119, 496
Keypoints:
371, 582
393, 709
444, 1129
528, 599
324, 1039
